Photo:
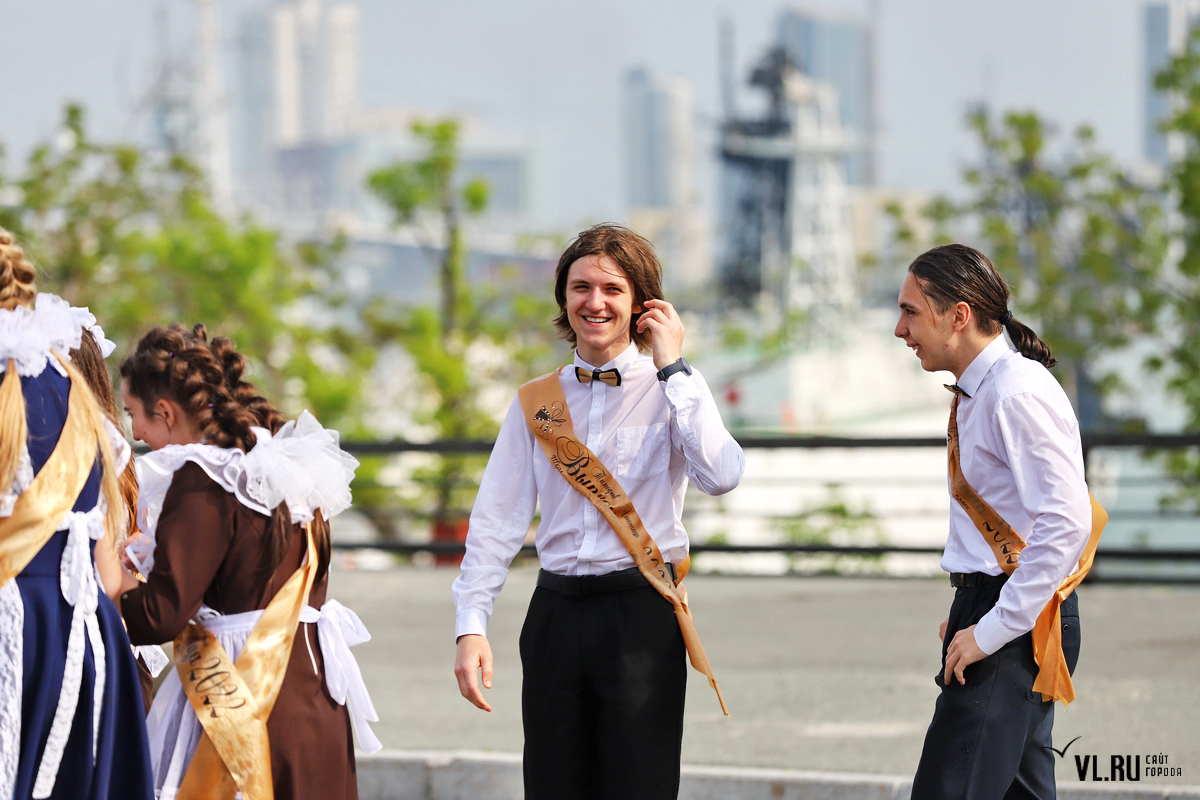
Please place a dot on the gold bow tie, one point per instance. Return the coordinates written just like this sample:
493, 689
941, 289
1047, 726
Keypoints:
609, 376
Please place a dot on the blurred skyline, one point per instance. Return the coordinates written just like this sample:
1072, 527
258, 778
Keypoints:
553, 68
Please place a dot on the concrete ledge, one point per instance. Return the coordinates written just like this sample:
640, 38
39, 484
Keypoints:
470, 775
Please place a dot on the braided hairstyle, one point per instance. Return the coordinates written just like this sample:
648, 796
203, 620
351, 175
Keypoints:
17, 288
16, 274
205, 379
955, 273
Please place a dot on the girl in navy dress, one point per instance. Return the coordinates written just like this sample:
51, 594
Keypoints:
70, 709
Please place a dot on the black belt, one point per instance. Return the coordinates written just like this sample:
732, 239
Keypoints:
962, 580
618, 581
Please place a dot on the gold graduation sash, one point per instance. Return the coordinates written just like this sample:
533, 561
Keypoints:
233, 701
42, 506
1054, 679
546, 412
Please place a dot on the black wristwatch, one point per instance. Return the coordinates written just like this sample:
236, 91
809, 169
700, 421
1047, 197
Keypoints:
670, 369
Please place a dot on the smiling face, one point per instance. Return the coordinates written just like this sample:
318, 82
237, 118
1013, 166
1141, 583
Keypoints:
930, 333
599, 307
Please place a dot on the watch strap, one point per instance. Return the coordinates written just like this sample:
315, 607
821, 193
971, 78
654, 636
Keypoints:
677, 366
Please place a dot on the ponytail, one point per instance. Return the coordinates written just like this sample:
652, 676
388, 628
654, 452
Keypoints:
1028, 344
955, 273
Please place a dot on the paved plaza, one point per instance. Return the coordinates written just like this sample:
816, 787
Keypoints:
819, 673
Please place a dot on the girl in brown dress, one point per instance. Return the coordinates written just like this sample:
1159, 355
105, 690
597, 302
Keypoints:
224, 495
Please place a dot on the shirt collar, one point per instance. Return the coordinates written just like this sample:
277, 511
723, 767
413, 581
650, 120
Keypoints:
978, 369
620, 363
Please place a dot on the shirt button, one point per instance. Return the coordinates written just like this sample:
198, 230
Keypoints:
589, 509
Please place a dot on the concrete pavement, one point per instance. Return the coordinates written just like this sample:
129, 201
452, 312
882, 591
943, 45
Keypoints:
821, 674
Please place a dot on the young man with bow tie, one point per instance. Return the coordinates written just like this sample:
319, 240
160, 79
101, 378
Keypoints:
607, 445
1022, 535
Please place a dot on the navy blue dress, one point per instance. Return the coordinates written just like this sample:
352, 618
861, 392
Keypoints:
121, 768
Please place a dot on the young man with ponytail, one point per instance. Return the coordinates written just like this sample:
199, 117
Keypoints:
1021, 534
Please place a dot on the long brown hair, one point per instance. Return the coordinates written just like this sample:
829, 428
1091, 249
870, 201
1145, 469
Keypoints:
955, 273
631, 252
205, 380
88, 359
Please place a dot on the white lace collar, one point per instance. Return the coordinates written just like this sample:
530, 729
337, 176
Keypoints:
30, 336
302, 464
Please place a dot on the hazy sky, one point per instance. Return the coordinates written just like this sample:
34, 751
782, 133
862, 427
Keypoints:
554, 67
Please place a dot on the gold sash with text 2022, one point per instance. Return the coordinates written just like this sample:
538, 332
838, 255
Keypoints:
233, 701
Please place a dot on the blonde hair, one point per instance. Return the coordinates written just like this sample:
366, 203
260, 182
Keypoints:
17, 288
16, 274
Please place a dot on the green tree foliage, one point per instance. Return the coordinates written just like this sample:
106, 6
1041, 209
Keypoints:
1179, 357
134, 237
429, 187
479, 336
1079, 239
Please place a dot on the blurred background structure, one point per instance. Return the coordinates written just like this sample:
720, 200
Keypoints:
371, 198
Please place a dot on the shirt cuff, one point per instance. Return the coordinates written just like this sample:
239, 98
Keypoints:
470, 621
990, 635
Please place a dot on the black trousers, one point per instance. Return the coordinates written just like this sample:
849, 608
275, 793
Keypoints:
990, 739
602, 698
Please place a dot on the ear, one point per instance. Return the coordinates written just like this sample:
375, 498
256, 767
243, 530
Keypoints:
961, 316
168, 411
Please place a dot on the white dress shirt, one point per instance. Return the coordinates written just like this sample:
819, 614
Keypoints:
652, 435
1019, 440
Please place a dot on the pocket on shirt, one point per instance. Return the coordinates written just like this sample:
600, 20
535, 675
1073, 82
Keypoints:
642, 452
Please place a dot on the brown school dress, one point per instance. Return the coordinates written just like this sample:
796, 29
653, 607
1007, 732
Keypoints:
209, 550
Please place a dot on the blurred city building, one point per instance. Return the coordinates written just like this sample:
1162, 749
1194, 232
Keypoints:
839, 49
1165, 29
658, 117
785, 228
303, 148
